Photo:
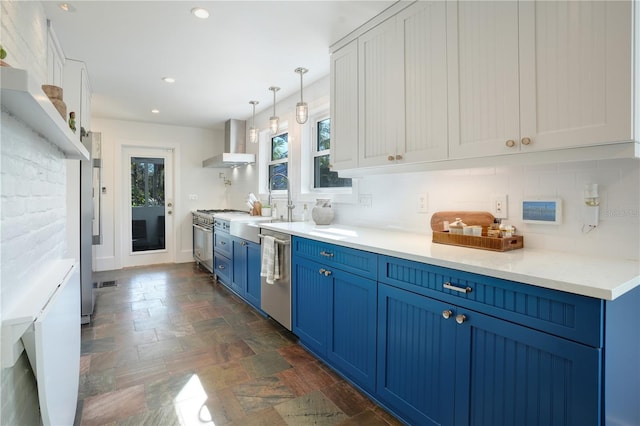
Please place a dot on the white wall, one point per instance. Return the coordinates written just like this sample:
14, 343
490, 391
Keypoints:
193, 145
33, 209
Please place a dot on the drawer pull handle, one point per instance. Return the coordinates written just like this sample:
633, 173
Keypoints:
450, 286
460, 318
446, 314
326, 254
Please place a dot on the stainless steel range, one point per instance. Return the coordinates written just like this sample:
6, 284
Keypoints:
203, 235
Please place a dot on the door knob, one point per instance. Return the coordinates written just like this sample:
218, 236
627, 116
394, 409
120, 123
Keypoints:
510, 143
169, 204
446, 314
460, 318
169, 212
526, 141
391, 158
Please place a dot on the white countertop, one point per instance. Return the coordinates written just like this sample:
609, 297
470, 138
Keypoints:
589, 276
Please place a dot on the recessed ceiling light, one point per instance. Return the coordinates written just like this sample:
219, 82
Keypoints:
199, 12
155, 111
168, 79
66, 7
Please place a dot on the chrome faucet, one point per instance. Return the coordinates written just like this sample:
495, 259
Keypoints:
290, 205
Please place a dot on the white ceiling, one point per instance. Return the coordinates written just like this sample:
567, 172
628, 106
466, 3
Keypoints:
219, 64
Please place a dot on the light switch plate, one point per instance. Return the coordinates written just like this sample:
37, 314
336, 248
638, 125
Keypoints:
499, 206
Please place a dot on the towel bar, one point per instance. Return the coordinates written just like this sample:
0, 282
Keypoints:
276, 240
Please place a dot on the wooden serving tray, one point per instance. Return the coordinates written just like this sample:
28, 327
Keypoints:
468, 217
484, 243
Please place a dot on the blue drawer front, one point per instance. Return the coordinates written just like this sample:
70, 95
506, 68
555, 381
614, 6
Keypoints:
357, 262
222, 243
572, 316
222, 269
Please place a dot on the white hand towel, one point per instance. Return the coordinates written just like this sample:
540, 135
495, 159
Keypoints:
270, 265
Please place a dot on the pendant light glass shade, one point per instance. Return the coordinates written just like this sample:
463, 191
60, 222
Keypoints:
253, 132
302, 109
274, 121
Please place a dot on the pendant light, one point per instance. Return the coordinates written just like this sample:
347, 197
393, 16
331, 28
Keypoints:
253, 132
302, 110
274, 121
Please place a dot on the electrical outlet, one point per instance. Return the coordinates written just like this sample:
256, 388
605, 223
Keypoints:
499, 206
365, 200
422, 201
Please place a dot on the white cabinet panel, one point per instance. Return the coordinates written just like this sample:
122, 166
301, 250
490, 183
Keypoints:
484, 86
344, 105
544, 75
422, 28
378, 86
575, 64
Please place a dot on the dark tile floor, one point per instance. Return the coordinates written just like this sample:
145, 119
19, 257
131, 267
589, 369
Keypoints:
168, 346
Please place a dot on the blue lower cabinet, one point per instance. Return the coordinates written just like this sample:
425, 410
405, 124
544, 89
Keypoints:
416, 357
334, 315
311, 294
474, 369
245, 278
520, 376
253, 274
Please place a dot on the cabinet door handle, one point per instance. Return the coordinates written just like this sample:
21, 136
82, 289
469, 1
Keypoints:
324, 272
391, 158
450, 286
326, 254
244, 243
398, 157
526, 141
221, 267
510, 143
446, 314
460, 318
222, 243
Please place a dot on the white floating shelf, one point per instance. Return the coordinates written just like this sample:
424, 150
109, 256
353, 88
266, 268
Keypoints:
24, 98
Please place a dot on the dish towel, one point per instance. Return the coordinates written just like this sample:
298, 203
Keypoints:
270, 265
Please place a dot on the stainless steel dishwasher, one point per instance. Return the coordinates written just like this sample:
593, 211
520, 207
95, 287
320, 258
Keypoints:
275, 299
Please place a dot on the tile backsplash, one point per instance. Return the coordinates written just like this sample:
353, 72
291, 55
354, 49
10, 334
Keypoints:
394, 202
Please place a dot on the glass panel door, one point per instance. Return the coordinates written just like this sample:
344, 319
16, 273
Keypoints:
147, 204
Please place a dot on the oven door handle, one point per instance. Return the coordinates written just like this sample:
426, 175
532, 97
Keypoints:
202, 228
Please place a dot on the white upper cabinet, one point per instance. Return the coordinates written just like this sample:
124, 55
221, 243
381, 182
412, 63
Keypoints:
344, 105
379, 95
403, 88
422, 36
538, 75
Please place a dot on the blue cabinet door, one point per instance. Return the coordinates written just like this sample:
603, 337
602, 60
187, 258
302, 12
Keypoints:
310, 304
239, 260
352, 336
252, 289
416, 357
508, 374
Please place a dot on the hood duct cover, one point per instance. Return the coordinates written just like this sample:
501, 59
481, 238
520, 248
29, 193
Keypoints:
234, 154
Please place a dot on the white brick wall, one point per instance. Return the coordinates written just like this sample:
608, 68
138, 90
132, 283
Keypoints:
33, 209
23, 31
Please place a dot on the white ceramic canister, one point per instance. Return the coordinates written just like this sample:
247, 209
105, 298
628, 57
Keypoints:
322, 213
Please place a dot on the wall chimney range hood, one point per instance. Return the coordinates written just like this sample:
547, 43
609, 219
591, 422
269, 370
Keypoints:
234, 154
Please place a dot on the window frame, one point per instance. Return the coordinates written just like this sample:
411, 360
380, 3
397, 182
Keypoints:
285, 160
314, 152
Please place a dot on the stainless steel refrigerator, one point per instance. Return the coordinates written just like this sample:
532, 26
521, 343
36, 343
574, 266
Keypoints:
90, 223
